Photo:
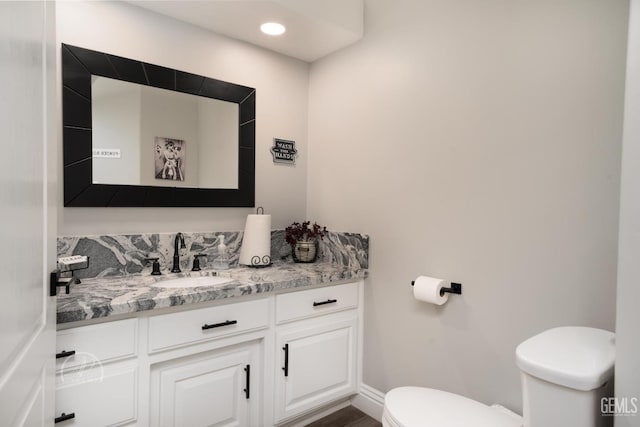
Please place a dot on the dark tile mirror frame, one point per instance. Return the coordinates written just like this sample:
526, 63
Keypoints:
78, 65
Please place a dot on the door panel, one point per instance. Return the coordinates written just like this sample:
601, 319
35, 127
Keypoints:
209, 389
320, 361
103, 396
27, 122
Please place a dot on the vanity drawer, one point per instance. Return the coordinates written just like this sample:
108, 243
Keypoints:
102, 396
194, 326
315, 302
96, 343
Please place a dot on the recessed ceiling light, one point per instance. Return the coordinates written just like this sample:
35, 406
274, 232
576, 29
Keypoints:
272, 28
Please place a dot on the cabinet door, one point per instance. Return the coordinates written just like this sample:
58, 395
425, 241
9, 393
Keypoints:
100, 396
317, 365
211, 389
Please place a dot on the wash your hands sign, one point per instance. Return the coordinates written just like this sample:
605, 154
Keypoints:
284, 151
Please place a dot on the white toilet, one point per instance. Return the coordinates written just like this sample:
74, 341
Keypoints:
564, 371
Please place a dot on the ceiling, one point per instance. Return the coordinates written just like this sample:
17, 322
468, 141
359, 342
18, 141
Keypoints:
315, 28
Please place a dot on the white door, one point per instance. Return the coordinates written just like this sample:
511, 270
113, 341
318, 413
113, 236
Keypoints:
317, 365
217, 389
27, 247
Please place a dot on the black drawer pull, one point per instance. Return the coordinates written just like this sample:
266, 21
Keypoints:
65, 354
64, 417
286, 360
329, 301
218, 325
247, 390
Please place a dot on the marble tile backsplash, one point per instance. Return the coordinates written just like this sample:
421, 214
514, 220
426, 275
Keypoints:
122, 255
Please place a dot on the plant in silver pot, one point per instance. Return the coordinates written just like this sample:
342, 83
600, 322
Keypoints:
303, 238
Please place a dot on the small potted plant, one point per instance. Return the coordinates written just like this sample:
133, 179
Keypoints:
303, 238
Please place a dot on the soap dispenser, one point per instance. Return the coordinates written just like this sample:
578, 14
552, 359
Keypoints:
222, 260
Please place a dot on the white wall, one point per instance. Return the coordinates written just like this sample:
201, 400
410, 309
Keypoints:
628, 316
115, 117
478, 142
281, 111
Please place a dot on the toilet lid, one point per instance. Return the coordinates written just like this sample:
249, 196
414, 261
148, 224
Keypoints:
418, 406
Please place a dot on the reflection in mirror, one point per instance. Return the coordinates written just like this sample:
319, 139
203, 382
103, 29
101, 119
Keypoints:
144, 135
115, 155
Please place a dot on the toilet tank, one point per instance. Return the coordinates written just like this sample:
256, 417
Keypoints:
565, 373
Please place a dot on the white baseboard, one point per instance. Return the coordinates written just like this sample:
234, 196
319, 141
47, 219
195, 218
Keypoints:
370, 401
316, 414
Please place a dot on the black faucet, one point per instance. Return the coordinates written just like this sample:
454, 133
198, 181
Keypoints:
176, 252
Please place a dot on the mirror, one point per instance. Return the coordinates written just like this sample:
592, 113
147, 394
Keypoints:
144, 135
137, 134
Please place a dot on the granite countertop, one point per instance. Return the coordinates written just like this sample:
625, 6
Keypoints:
110, 296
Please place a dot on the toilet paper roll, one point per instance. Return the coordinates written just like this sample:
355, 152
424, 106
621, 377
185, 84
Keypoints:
427, 289
256, 241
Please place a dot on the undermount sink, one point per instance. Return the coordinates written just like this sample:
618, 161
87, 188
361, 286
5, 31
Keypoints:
192, 282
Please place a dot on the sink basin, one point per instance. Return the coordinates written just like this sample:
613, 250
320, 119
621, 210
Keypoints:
192, 282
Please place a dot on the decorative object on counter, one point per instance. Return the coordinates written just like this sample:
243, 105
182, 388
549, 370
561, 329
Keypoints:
73, 263
303, 238
67, 266
284, 151
222, 260
256, 241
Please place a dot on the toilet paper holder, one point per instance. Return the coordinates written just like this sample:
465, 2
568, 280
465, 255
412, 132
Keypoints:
456, 288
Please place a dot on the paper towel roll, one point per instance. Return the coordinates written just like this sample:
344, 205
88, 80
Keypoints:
427, 289
256, 241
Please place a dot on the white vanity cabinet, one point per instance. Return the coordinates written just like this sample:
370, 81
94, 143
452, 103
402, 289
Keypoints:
97, 375
317, 344
217, 378
252, 362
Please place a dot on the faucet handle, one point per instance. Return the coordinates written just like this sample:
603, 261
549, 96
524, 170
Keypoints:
196, 261
155, 266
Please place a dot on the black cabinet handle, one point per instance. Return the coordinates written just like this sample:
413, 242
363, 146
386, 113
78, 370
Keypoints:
218, 325
329, 301
286, 360
65, 354
247, 390
64, 417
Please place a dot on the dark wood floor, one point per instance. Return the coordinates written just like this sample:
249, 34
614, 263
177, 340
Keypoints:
347, 417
